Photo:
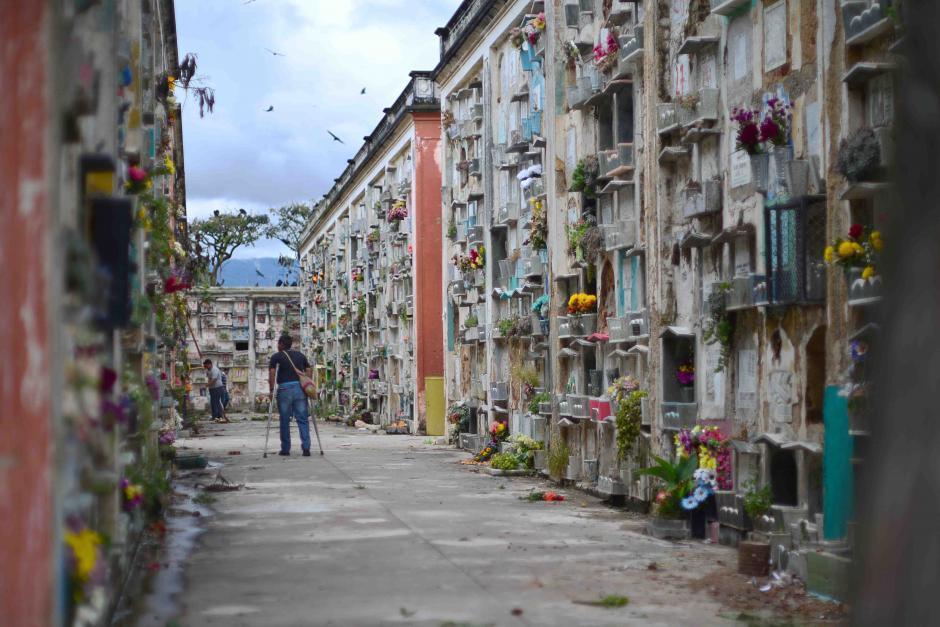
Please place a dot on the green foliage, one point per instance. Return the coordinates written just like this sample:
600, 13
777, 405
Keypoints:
541, 397
471, 321
361, 308
525, 374
451, 229
504, 461
718, 326
558, 456
576, 234
213, 240
677, 480
610, 601
584, 177
288, 224
505, 326
757, 501
629, 417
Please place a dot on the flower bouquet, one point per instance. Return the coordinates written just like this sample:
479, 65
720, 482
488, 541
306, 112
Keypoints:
605, 52
748, 136
858, 250
581, 303
398, 211
710, 447
132, 495
499, 431
685, 374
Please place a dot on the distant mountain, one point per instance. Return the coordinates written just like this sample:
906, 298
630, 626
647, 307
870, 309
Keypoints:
261, 271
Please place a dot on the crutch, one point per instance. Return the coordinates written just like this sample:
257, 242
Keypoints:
313, 421
267, 431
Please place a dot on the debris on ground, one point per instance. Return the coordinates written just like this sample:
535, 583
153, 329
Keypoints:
611, 600
397, 428
516, 611
784, 596
652, 566
234, 452
221, 484
365, 426
406, 612
539, 495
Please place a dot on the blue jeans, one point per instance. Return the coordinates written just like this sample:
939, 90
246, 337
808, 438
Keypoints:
216, 401
291, 401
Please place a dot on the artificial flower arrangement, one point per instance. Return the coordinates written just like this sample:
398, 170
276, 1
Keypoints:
499, 431
485, 453
623, 387
710, 447
529, 32
605, 52
703, 487
83, 553
581, 303
538, 232
754, 133
358, 276
140, 180
398, 211
685, 373
860, 249
474, 260
373, 236
132, 495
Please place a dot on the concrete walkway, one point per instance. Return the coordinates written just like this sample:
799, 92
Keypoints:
391, 530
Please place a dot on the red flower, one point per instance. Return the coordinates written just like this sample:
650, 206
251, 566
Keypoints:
769, 130
855, 231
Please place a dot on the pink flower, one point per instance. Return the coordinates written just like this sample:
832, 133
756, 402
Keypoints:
138, 175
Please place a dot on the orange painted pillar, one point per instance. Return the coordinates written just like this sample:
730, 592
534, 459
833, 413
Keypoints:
26, 545
429, 348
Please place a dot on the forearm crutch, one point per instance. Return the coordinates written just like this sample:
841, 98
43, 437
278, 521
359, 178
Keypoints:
267, 431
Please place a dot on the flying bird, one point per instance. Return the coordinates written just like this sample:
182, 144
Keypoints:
269, 109
363, 91
277, 54
335, 138
258, 272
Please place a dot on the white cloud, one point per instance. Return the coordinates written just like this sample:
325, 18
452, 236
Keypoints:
242, 156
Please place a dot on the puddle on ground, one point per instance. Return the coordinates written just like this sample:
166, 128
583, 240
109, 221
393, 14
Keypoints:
160, 603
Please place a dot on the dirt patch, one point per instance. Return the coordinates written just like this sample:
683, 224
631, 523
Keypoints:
787, 604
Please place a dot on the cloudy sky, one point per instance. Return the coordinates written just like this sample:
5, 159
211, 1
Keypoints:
244, 157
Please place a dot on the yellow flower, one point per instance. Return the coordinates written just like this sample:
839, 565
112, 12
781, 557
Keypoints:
857, 248
868, 273
829, 253
846, 249
84, 545
875, 239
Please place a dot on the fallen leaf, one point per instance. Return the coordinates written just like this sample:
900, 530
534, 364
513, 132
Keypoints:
406, 612
516, 611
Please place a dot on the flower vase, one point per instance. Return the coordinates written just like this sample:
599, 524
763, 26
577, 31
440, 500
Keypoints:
781, 155
760, 170
579, 255
687, 394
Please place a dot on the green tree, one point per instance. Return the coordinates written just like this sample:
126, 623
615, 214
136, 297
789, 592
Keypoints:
287, 226
216, 238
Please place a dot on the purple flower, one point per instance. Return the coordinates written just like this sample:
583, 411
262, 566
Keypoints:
769, 130
153, 387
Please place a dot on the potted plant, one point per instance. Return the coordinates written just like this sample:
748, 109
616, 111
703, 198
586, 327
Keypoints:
670, 520
757, 505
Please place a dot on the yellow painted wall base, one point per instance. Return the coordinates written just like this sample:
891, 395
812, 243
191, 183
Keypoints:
434, 399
